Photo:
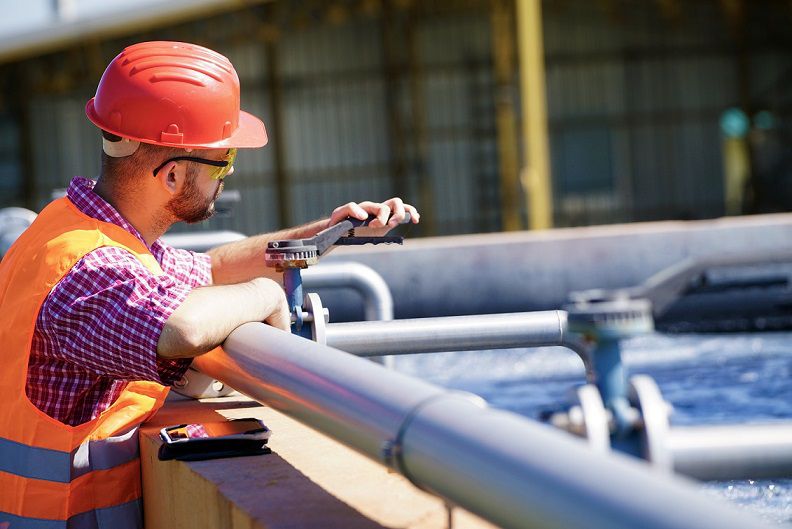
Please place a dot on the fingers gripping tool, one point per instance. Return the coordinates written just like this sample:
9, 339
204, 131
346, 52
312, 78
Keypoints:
290, 256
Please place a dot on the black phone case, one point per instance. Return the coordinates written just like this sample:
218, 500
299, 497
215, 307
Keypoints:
200, 450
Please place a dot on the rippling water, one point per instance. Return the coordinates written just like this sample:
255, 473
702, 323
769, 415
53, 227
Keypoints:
709, 379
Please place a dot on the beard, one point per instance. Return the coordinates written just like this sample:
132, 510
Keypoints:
190, 205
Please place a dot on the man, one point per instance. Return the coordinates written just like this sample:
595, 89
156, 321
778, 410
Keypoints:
100, 315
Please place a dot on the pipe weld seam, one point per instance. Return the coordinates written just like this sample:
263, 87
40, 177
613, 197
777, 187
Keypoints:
393, 452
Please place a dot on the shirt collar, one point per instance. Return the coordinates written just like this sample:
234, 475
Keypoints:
81, 193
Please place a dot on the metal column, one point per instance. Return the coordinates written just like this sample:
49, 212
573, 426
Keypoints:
502, 22
536, 170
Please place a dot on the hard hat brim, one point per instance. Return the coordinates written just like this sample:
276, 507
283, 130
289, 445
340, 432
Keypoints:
250, 133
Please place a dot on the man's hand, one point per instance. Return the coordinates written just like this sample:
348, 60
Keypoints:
389, 214
242, 261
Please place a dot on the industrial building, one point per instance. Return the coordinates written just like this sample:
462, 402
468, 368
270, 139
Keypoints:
654, 110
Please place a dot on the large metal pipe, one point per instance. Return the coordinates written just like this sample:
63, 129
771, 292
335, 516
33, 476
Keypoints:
201, 241
377, 298
453, 333
745, 451
13, 221
507, 469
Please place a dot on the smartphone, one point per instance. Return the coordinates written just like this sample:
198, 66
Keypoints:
232, 429
211, 440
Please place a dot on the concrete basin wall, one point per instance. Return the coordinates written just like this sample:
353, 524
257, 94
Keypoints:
524, 271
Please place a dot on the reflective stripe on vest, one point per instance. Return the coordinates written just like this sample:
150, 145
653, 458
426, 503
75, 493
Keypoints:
53, 474
36, 498
125, 516
63, 467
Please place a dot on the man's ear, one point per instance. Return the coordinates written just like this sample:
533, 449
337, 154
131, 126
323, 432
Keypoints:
171, 177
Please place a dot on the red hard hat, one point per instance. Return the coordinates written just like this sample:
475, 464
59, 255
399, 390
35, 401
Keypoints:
174, 94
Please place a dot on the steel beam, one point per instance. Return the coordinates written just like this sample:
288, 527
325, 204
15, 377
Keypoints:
503, 467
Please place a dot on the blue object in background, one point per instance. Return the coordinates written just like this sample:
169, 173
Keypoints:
734, 123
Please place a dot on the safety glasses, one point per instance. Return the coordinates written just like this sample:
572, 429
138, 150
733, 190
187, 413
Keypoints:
222, 166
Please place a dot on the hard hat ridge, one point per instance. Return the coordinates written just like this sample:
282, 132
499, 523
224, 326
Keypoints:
174, 94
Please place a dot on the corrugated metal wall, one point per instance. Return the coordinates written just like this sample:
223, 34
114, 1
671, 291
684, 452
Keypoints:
635, 97
63, 144
11, 190
335, 118
386, 102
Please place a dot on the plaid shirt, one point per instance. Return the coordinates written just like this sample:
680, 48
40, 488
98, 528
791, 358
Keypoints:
98, 329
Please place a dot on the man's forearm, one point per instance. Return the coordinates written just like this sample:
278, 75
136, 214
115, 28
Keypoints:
209, 314
243, 260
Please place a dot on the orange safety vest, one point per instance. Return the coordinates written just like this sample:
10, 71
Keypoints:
53, 475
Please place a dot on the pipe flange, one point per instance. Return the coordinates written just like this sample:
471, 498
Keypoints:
318, 319
290, 254
596, 419
615, 318
645, 396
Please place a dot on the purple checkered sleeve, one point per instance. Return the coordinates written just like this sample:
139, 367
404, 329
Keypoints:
99, 327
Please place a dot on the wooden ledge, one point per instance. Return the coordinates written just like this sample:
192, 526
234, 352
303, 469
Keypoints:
308, 481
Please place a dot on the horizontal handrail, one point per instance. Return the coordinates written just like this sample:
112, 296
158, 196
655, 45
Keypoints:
457, 333
505, 468
745, 451
451, 333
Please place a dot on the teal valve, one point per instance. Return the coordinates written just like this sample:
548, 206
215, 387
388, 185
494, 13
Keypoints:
289, 256
292, 284
604, 324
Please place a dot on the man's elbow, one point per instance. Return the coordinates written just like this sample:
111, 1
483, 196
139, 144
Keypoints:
180, 339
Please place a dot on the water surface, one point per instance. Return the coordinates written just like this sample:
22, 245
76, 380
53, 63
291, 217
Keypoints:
709, 379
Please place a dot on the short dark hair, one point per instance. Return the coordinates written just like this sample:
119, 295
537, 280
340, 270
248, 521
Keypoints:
123, 173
